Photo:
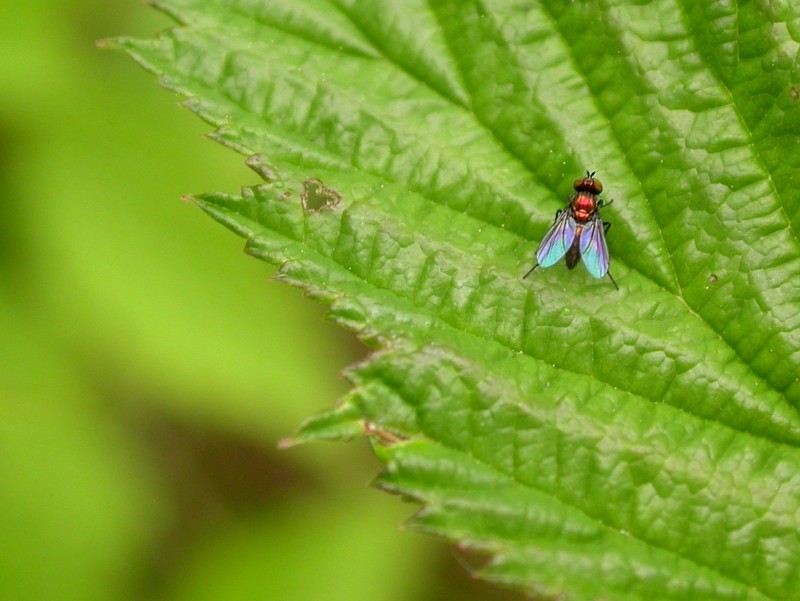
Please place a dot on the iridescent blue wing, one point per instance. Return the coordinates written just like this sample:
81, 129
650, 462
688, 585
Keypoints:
557, 241
594, 251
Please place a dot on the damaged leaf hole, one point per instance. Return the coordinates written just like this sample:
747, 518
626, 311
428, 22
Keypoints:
316, 197
794, 93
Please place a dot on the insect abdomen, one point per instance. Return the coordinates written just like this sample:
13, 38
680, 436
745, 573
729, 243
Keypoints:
573, 254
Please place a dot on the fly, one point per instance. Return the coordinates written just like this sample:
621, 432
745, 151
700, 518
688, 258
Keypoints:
578, 232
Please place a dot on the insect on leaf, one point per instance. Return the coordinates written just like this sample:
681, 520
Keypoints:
635, 445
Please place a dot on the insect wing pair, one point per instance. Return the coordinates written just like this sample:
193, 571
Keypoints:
591, 243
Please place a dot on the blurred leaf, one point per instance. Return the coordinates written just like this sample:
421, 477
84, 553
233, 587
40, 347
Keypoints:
72, 527
113, 266
282, 556
631, 445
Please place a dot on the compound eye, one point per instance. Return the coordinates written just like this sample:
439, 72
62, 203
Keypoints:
588, 184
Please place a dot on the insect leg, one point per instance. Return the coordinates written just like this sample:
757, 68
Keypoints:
530, 271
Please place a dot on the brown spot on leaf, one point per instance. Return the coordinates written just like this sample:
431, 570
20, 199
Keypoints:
316, 197
385, 437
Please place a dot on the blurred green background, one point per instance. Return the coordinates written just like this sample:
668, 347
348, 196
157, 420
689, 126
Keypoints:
149, 367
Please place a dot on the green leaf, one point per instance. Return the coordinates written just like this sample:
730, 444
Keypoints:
640, 444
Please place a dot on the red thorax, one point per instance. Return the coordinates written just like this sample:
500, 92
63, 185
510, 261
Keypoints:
584, 205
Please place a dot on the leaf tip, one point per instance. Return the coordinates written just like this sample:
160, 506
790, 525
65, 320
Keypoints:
340, 423
107, 44
287, 442
266, 172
